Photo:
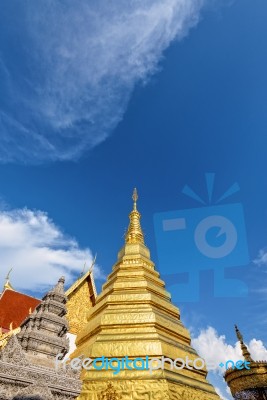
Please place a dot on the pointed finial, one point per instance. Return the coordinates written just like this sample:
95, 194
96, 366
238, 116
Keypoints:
135, 198
8, 274
245, 352
238, 334
134, 233
59, 288
91, 267
82, 273
7, 284
93, 263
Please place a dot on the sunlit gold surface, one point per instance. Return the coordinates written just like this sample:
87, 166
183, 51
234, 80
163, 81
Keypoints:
8, 285
81, 297
134, 316
134, 233
110, 393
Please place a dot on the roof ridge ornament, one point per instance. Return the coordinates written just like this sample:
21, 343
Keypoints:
7, 284
93, 263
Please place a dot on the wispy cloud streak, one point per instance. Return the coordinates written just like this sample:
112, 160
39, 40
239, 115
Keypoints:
79, 62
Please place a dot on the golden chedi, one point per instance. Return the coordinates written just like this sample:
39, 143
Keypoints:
134, 317
247, 384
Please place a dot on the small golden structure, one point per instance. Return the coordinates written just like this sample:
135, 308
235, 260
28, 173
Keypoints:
247, 384
133, 316
7, 284
5, 336
81, 297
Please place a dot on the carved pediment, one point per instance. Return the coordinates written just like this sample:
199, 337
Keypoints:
13, 353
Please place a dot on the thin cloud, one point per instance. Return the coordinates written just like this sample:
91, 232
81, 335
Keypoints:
79, 62
38, 250
261, 259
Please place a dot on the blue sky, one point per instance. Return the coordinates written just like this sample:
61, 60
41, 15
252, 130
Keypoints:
96, 100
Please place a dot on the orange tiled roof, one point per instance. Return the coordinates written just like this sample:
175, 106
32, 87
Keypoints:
14, 307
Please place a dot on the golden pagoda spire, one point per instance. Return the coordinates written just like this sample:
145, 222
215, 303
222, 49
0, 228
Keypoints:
134, 316
245, 352
134, 246
7, 284
134, 233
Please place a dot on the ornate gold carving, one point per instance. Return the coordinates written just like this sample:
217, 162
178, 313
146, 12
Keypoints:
78, 305
156, 389
178, 392
110, 393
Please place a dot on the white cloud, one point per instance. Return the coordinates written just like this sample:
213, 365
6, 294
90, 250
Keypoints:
261, 259
80, 62
214, 349
220, 394
38, 250
228, 391
258, 350
72, 345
